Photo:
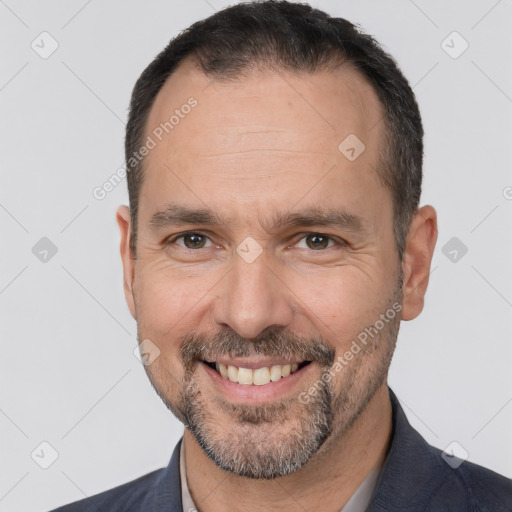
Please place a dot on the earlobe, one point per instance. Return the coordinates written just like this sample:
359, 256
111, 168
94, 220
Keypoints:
124, 223
421, 241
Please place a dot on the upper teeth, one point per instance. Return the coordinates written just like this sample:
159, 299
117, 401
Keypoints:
258, 376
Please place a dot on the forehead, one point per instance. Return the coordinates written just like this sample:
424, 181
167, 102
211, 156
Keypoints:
329, 104
266, 132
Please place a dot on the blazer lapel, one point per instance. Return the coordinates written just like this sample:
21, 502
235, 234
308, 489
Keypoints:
411, 472
166, 495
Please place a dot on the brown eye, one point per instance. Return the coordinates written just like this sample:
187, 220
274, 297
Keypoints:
194, 241
317, 241
191, 240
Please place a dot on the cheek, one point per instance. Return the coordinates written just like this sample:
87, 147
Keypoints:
168, 300
341, 303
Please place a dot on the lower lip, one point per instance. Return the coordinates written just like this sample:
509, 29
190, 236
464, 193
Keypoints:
251, 393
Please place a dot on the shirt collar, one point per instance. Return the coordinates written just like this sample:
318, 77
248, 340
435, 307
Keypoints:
188, 503
358, 502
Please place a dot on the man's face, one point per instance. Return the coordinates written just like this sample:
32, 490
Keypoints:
300, 262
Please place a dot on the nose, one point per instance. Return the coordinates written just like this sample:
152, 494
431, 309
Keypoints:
253, 297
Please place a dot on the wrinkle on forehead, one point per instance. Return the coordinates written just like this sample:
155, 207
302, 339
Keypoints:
267, 103
269, 137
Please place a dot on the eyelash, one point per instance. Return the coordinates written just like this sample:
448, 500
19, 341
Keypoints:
338, 242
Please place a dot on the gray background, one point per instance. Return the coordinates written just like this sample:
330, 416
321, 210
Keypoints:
68, 375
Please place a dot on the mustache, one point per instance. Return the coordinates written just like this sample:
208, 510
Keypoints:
273, 342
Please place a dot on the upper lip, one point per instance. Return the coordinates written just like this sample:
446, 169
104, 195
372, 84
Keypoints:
254, 362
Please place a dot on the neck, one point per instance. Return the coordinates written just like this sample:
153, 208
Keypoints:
325, 483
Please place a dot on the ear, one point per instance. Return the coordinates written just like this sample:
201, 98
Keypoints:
124, 222
421, 241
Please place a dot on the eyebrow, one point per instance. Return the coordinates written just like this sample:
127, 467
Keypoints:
177, 215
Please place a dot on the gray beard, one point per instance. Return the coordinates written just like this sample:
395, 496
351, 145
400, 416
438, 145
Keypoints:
254, 449
272, 440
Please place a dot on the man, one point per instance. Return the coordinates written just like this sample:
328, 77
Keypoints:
272, 245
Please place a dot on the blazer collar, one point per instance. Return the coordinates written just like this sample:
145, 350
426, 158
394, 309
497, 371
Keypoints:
167, 491
412, 469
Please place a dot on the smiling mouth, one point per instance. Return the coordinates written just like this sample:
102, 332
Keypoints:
255, 376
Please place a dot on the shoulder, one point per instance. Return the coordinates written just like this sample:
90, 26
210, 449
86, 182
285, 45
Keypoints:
417, 476
481, 489
152, 492
125, 497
